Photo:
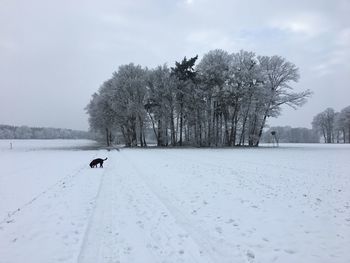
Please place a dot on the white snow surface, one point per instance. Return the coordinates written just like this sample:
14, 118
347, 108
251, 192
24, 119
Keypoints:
285, 204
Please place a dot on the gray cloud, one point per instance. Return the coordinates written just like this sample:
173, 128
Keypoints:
55, 54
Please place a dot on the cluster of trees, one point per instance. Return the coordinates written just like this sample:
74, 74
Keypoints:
333, 126
25, 132
288, 134
223, 100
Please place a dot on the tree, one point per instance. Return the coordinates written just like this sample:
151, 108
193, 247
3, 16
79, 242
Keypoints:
223, 101
278, 75
213, 73
342, 123
160, 104
245, 86
185, 73
101, 113
324, 124
127, 100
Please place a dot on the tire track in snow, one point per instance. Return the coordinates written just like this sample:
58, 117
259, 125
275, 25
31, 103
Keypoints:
131, 224
214, 251
89, 223
198, 246
209, 251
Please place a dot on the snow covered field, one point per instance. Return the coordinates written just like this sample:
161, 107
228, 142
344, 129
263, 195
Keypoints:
286, 204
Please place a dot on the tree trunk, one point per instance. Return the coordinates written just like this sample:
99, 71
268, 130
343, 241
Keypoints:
124, 135
160, 134
144, 139
226, 135
233, 132
220, 130
110, 137
209, 118
166, 143
172, 127
141, 131
262, 125
235, 129
241, 139
177, 126
133, 132
324, 135
107, 137
181, 122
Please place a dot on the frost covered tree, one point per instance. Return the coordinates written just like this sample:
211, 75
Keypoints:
333, 126
246, 83
119, 105
23, 132
224, 100
160, 104
342, 124
185, 74
101, 114
128, 100
279, 74
324, 124
213, 71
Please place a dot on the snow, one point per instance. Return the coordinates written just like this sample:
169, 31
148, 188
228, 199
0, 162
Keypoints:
285, 204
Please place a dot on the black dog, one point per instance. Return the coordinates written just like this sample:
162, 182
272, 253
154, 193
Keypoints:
97, 161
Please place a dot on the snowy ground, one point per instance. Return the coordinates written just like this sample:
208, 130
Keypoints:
286, 204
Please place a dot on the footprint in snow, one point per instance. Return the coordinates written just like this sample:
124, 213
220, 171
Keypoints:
218, 229
127, 250
182, 236
140, 224
290, 251
230, 221
250, 255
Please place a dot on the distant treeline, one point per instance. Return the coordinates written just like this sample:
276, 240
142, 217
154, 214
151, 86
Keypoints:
332, 126
328, 126
25, 132
288, 134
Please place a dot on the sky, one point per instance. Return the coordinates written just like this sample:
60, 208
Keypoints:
55, 54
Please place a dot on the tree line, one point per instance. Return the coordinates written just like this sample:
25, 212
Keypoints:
332, 126
223, 100
287, 134
25, 132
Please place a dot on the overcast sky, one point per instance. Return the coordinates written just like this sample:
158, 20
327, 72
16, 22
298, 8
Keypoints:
55, 54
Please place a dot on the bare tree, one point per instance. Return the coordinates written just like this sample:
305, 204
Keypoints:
324, 124
223, 101
278, 75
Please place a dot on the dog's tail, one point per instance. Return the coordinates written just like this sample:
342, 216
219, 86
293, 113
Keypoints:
105, 159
